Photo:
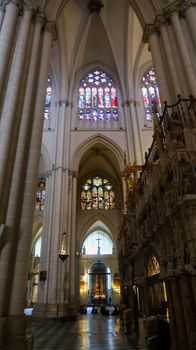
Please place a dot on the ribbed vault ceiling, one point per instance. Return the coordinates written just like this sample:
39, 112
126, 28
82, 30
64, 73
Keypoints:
146, 10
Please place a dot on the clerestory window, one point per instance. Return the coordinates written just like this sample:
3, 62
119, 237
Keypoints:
97, 97
150, 94
48, 99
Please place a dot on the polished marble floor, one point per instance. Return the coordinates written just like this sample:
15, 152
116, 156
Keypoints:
88, 332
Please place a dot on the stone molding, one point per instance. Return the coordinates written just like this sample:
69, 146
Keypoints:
133, 101
74, 173
65, 102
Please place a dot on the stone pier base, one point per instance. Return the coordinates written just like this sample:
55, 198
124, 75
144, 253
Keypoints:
15, 333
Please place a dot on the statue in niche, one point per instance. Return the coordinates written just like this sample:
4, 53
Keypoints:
153, 266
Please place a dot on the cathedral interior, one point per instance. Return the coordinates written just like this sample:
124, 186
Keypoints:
98, 164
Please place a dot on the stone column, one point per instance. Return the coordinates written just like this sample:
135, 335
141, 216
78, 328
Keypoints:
131, 151
159, 67
189, 310
190, 15
56, 268
170, 60
27, 212
16, 187
46, 237
6, 37
183, 50
9, 115
73, 239
136, 133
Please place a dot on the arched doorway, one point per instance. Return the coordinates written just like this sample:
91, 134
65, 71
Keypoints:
99, 282
98, 265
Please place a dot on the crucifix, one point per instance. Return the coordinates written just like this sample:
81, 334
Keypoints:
98, 246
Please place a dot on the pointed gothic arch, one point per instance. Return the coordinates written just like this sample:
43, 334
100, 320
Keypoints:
96, 218
92, 141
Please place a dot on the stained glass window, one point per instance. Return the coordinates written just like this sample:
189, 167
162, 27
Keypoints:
97, 193
150, 93
40, 195
97, 98
48, 99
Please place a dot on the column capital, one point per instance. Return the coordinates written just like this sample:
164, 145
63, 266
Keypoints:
178, 7
50, 26
40, 18
74, 173
148, 30
30, 5
130, 102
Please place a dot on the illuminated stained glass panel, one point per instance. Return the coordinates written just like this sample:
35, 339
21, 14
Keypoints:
48, 99
40, 195
97, 97
150, 94
97, 193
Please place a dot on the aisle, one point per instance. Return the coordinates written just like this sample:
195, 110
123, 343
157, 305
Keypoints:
89, 332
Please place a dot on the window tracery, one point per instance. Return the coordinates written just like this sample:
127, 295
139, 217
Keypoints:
97, 193
97, 97
150, 94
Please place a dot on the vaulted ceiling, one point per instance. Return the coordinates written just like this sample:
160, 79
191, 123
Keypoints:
146, 10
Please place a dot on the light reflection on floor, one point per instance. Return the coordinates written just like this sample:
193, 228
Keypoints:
88, 332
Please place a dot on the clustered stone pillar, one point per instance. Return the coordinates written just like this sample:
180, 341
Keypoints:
167, 39
73, 239
170, 59
9, 22
190, 15
21, 127
158, 63
183, 50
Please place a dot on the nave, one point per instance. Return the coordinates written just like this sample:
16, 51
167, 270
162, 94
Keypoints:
88, 332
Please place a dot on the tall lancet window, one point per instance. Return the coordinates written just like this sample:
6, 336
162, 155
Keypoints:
97, 193
150, 94
97, 98
48, 99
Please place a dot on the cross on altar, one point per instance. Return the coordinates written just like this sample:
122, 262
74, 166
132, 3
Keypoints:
98, 246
